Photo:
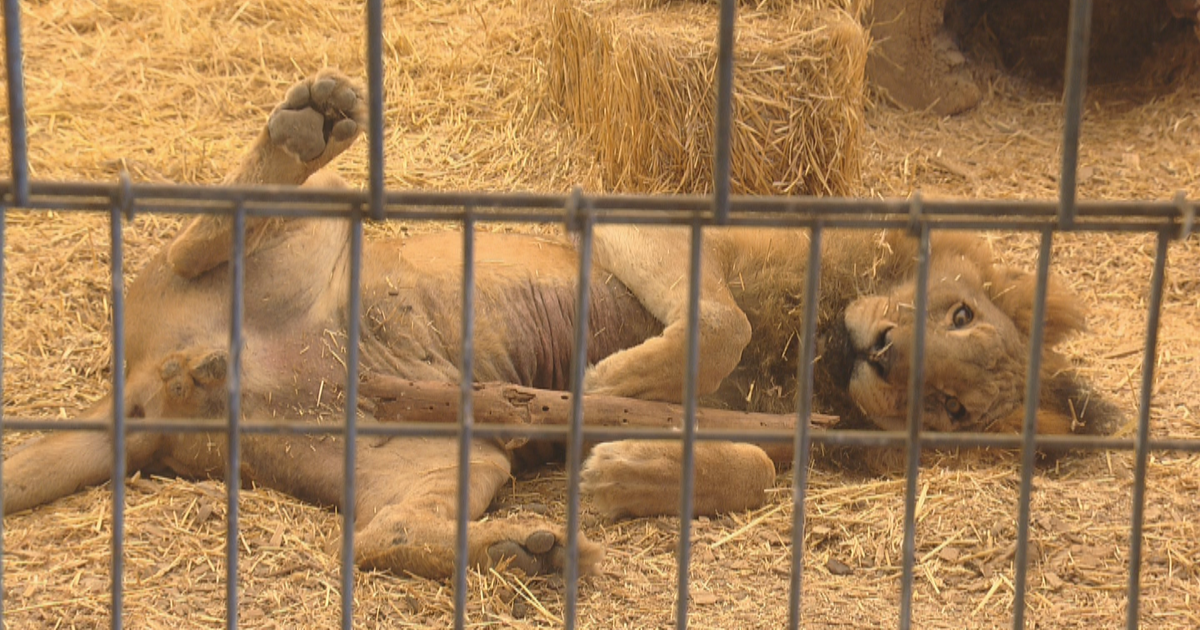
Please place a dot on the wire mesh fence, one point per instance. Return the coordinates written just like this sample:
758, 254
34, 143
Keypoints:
581, 213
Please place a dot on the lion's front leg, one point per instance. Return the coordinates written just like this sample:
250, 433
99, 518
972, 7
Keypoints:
408, 511
402, 540
652, 263
635, 478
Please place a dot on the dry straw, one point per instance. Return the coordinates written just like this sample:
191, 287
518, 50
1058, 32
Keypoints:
173, 88
855, 7
640, 85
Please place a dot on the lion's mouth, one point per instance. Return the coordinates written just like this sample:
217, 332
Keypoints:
880, 355
875, 350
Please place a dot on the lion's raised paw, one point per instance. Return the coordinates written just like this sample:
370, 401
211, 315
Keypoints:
319, 117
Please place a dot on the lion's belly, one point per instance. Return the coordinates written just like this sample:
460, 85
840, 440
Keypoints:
525, 311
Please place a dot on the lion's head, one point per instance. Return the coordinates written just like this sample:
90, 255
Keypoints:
977, 340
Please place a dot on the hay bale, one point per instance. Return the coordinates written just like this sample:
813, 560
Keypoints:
640, 85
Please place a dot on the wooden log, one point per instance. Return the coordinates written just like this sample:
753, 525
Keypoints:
399, 400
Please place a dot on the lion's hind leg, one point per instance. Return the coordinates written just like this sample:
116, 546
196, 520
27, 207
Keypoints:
318, 119
64, 462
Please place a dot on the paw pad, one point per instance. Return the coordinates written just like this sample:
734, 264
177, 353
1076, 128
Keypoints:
300, 132
315, 114
541, 541
539, 554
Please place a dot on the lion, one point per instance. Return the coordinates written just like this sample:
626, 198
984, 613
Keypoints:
295, 335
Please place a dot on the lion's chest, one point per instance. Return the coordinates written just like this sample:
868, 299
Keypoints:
523, 327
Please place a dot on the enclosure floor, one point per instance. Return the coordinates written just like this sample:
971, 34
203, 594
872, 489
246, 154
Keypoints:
173, 93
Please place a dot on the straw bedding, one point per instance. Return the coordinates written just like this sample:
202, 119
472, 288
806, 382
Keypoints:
172, 89
639, 85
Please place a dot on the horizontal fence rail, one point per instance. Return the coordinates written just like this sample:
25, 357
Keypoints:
838, 437
291, 201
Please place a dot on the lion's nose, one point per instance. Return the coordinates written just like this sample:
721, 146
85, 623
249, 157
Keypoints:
880, 355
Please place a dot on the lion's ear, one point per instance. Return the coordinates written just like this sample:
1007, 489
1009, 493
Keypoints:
1012, 291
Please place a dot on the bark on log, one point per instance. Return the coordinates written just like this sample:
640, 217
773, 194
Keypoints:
399, 400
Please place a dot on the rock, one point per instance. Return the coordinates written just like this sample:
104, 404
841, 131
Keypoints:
837, 567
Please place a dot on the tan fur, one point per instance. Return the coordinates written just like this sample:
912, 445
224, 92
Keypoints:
296, 274
867, 287
296, 279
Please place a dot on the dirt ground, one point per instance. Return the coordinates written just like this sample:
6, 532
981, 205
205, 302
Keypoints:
172, 90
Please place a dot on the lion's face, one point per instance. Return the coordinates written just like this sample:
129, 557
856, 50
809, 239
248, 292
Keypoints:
975, 355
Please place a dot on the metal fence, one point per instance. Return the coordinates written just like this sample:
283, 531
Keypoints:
1167, 220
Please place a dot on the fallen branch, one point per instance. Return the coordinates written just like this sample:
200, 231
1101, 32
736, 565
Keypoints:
503, 403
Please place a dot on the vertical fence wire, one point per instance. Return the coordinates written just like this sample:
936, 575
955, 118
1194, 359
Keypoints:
1076, 78
118, 411
688, 472
722, 136
1029, 429
466, 419
233, 455
18, 153
375, 107
18, 140
1142, 442
808, 353
584, 224
350, 463
3, 225
916, 399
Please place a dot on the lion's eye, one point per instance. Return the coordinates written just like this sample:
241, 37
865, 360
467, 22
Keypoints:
963, 315
955, 409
